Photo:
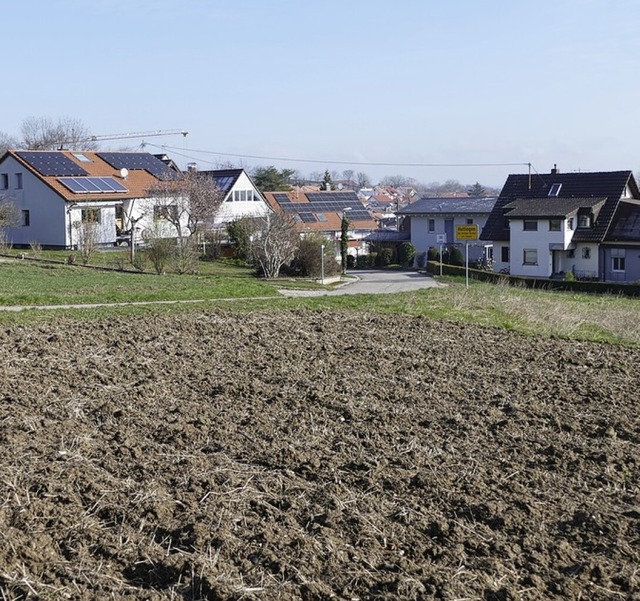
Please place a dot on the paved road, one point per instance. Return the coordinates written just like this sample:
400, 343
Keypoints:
374, 282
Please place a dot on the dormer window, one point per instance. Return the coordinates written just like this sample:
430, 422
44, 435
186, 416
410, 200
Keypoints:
555, 189
584, 221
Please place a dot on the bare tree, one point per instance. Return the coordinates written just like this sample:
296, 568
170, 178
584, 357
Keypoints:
44, 133
86, 236
274, 242
8, 218
363, 180
189, 202
7, 142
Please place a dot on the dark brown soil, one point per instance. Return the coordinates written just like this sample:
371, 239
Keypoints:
315, 456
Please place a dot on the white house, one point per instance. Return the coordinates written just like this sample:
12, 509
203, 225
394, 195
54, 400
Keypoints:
434, 221
56, 192
587, 223
241, 196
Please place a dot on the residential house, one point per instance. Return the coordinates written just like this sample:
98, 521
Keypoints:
241, 197
322, 212
55, 192
433, 223
587, 223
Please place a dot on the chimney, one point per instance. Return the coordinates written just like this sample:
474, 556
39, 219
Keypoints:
192, 166
555, 169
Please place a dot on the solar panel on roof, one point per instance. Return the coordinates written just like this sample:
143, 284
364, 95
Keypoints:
51, 163
224, 182
137, 160
307, 217
92, 185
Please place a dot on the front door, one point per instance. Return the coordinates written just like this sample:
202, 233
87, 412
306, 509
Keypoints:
448, 230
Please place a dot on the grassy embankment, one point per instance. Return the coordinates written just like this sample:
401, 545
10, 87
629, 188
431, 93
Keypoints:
532, 312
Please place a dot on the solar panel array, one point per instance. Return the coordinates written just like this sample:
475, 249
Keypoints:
323, 202
92, 185
51, 163
137, 160
224, 183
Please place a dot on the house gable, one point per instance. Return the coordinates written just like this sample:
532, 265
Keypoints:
610, 186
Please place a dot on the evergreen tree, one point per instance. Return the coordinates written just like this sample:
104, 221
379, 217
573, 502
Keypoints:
477, 191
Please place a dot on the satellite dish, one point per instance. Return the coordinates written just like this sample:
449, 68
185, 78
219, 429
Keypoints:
340, 186
124, 172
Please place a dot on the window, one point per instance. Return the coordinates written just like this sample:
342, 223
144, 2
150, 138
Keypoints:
165, 212
26, 220
242, 195
571, 253
618, 259
570, 223
584, 221
4, 181
530, 256
82, 157
555, 189
586, 252
91, 215
18, 181
530, 225
555, 225
504, 254
432, 225
469, 221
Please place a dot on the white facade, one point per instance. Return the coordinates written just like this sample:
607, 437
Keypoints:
243, 200
44, 216
541, 247
432, 231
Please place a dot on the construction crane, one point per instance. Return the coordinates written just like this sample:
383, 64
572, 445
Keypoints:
139, 134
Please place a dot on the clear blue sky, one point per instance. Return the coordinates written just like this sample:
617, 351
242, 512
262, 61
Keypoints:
389, 81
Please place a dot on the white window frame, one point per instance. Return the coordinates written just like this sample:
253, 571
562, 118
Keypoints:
432, 225
618, 260
530, 256
531, 223
586, 252
555, 225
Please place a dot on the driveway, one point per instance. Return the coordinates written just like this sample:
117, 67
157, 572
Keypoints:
374, 282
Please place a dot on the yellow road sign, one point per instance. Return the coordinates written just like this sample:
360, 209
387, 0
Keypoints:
466, 232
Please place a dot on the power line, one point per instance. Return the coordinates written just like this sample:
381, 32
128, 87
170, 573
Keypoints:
350, 163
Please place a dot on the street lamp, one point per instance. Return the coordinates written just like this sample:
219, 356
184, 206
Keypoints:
322, 262
344, 239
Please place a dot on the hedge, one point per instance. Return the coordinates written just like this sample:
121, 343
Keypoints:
631, 290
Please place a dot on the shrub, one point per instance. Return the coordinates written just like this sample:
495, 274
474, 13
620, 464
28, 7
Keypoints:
421, 260
351, 262
433, 254
309, 257
406, 254
384, 258
362, 262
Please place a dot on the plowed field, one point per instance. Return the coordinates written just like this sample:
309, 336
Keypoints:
315, 455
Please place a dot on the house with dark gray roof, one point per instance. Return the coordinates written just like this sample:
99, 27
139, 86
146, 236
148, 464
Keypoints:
588, 223
433, 223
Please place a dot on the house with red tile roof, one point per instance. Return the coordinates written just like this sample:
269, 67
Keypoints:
55, 191
322, 212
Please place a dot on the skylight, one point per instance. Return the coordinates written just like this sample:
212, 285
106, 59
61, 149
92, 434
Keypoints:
83, 158
555, 189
